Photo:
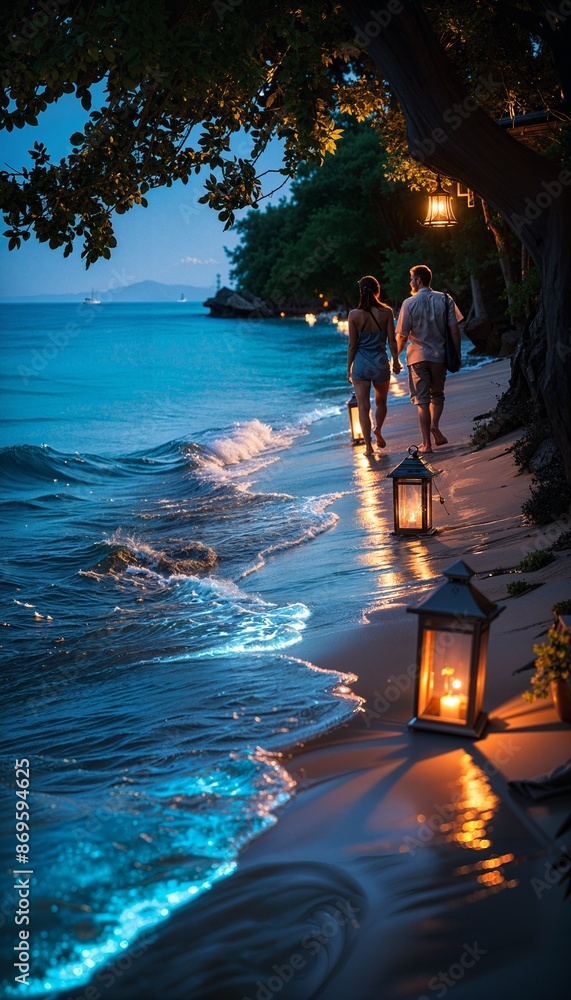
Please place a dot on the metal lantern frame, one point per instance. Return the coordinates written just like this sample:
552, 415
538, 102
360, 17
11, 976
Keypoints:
440, 213
413, 478
452, 647
354, 422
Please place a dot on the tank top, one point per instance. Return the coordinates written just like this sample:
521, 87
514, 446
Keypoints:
372, 341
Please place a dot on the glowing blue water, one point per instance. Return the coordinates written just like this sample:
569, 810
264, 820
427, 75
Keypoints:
148, 689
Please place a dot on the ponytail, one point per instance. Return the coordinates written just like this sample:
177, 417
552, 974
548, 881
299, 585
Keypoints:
370, 293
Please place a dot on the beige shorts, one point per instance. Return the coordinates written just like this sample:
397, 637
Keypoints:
426, 381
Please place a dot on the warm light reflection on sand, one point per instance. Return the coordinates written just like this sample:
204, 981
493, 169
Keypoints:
375, 515
475, 809
371, 515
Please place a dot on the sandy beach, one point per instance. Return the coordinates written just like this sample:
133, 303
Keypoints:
364, 888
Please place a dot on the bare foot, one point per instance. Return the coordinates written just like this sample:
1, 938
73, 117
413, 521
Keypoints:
380, 440
438, 436
369, 452
425, 449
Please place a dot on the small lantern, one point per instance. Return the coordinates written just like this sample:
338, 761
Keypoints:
453, 628
412, 495
354, 422
440, 214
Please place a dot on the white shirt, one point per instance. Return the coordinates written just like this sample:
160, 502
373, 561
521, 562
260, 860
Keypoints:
421, 319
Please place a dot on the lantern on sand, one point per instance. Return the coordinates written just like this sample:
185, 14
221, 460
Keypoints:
412, 495
354, 422
453, 629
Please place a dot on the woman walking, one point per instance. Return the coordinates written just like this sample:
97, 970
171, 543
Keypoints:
371, 325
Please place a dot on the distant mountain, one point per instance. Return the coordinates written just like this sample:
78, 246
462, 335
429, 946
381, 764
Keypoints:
140, 291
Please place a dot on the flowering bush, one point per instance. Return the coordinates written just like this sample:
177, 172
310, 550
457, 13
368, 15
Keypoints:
552, 663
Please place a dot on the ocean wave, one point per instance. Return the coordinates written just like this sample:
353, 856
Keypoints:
243, 450
26, 464
312, 520
245, 442
248, 440
319, 413
250, 445
127, 553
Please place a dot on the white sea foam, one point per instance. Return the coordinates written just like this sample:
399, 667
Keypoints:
254, 444
248, 440
320, 413
322, 521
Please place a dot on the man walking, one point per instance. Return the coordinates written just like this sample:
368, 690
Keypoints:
421, 321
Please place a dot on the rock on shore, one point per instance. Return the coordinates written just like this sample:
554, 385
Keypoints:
227, 304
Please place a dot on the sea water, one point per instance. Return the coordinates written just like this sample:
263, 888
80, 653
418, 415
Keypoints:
148, 689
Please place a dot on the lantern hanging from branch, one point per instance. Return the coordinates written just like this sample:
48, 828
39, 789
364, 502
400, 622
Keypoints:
412, 495
453, 629
440, 213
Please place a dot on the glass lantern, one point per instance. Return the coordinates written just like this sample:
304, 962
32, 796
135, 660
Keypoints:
412, 495
440, 214
453, 629
354, 422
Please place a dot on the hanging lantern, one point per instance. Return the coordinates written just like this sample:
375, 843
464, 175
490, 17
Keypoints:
354, 422
453, 628
440, 214
412, 495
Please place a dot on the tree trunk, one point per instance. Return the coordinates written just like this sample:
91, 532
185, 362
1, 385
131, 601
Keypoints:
525, 274
480, 313
449, 132
511, 274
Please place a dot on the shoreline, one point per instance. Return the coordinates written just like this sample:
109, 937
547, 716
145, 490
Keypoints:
359, 889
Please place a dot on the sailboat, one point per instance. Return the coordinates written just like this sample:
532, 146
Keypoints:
90, 300
182, 297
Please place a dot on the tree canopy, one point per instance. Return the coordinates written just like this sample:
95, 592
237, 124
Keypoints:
172, 87
339, 218
344, 219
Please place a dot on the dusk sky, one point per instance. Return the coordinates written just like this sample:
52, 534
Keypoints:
175, 240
